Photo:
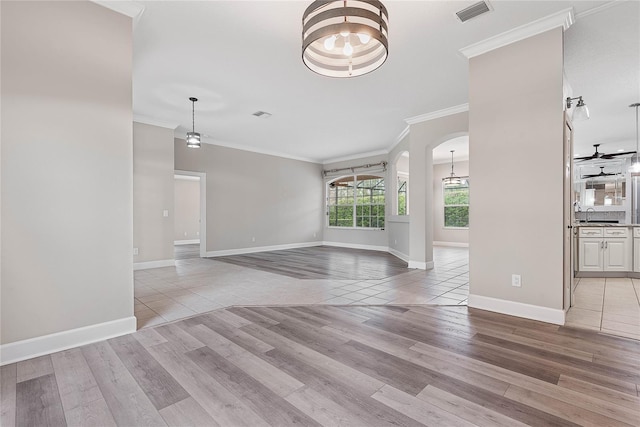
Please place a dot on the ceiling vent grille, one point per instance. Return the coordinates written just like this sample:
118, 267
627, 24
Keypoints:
472, 11
262, 114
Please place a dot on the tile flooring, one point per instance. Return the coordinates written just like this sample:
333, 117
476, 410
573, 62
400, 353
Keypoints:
608, 305
199, 285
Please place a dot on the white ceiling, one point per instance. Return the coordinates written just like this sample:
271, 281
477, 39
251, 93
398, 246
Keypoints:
239, 57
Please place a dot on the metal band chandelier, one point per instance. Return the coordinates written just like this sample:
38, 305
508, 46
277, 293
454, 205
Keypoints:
345, 38
452, 180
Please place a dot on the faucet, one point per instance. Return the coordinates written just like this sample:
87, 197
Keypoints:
588, 211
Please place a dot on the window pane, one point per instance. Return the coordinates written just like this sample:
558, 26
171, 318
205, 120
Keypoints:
456, 195
456, 216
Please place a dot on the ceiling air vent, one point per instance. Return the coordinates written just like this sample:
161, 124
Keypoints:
472, 11
262, 114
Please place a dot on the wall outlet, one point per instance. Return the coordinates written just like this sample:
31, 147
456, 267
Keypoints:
165, 213
253, 239
135, 251
516, 280
185, 233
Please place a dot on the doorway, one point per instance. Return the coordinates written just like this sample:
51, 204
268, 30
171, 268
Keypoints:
190, 215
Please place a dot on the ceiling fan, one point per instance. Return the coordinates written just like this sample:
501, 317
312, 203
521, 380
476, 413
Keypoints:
598, 155
602, 173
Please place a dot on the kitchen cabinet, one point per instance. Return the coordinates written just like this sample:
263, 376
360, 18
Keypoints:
636, 249
605, 249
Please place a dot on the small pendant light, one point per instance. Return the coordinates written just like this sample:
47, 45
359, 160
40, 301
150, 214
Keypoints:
453, 180
635, 167
193, 137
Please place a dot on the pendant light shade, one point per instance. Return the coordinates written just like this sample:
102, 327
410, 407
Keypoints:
635, 167
345, 38
193, 137
452, 180
581, 111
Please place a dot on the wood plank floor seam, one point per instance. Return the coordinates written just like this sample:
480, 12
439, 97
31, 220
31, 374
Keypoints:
333, 365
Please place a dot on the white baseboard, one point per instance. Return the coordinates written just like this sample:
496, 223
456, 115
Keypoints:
357, 246
227, 252
186, 242
47, 344
420, 265
154, 264
518, 309
452, 244
399, 254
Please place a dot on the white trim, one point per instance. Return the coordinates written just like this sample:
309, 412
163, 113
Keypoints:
226, 252
154, 264
437, 114
420, 265
186, 242
399, 219
452, 244
131, 9
47, 344
600, 8
153, 122
399, 138
563, 18
356, 156
518, 309
186, 178
208, 140
399, 254
356, 246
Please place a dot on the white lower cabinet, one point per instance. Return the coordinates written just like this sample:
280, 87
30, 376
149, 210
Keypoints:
636, 249
605, 249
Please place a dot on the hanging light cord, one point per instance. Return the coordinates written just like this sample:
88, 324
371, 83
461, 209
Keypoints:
193, 116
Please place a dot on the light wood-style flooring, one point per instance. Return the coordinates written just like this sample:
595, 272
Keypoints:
269, 278
334, 365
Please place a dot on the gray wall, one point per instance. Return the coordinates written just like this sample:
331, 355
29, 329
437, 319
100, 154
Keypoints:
275, 200
187, 209
398, 226
152, 192
517, 202
66, 167
440, 233
357, 237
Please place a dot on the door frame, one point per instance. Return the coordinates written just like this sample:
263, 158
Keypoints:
203, 207
569, 246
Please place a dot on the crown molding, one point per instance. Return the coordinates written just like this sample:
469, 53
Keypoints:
129, 8
153, 122
399, 138
563, 18
437, 114
599, 8
208, 140
356, 156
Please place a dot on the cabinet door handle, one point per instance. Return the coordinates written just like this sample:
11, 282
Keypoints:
601, 245
606, 245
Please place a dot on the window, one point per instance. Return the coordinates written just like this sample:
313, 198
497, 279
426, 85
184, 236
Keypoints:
356, 201
403, 195
456, 204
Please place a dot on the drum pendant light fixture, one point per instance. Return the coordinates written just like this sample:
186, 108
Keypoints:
452, 180
193, 137
345, 38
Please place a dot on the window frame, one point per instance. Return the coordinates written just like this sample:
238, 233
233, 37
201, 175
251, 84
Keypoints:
355, 205
445, 205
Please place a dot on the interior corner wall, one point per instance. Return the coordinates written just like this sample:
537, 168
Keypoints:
425, 136
66, 169
255, 200
187, 209
398, 225
153, 193
516, 169
376, 239
440, 233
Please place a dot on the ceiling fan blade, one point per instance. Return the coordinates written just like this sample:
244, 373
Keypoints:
621, 154
590, 176
584, 158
